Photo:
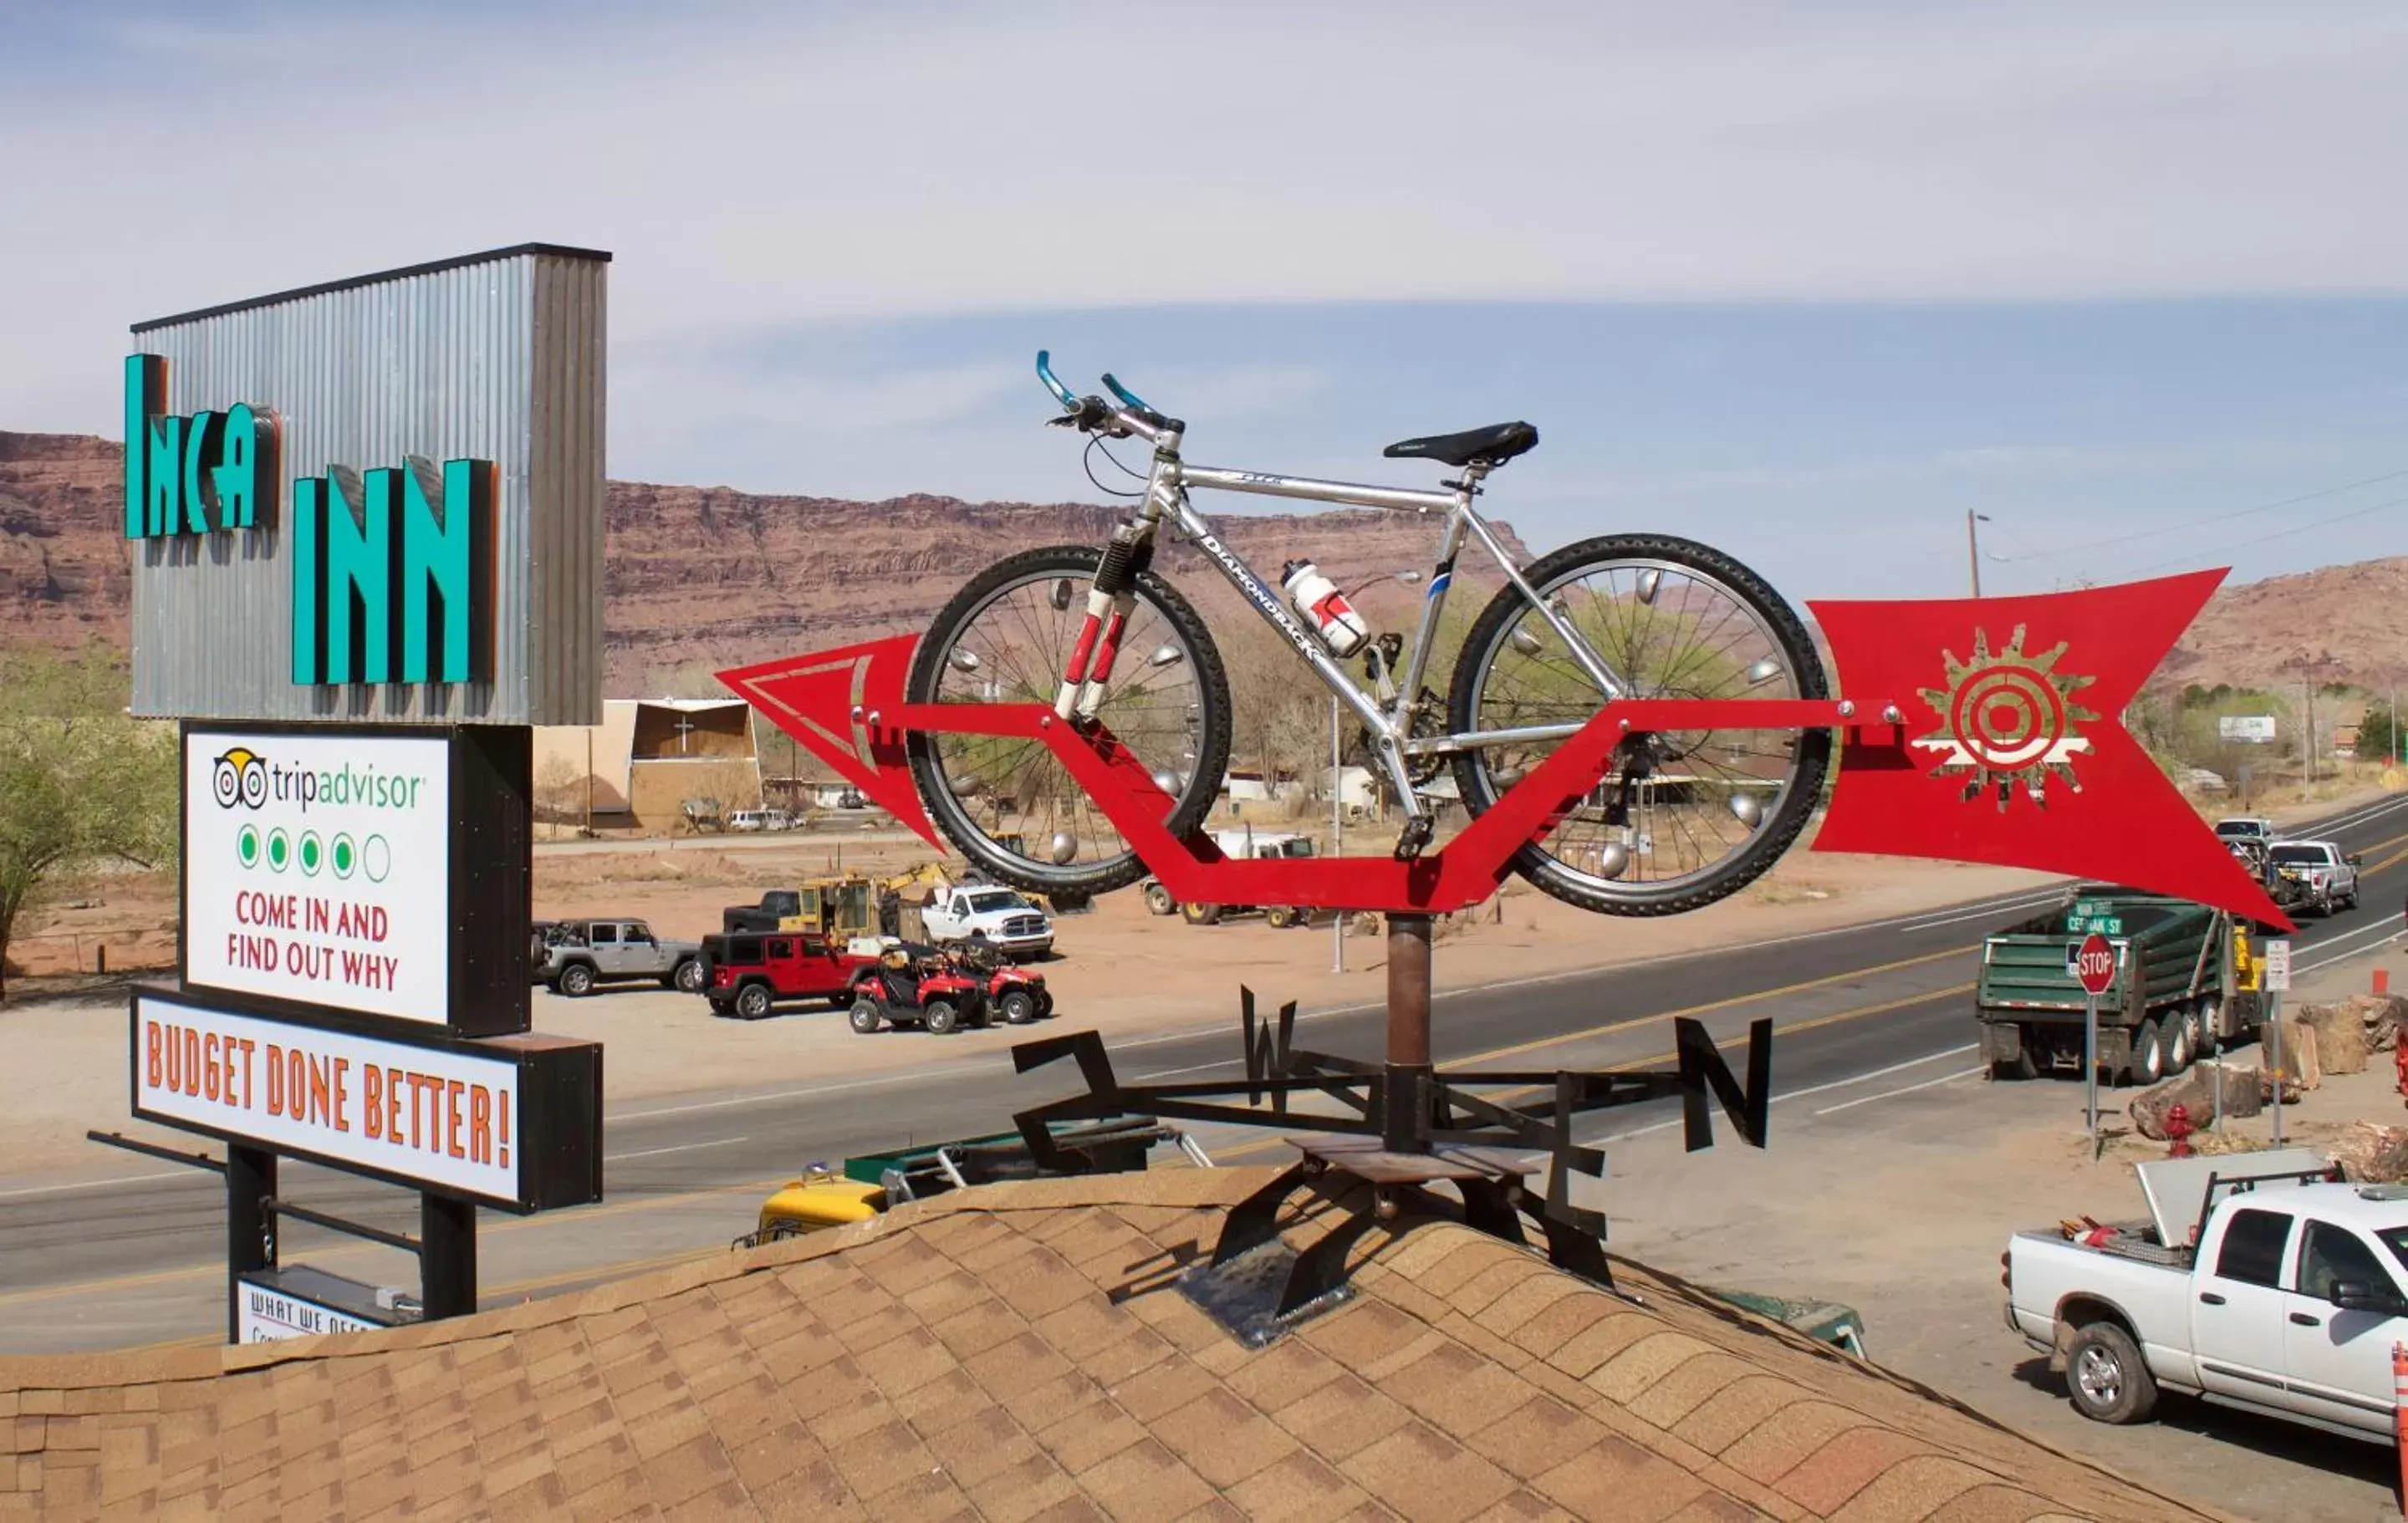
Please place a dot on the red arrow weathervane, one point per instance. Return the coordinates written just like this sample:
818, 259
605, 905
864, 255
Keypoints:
1991, 734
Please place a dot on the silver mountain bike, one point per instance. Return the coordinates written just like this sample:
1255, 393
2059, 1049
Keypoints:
1679, 818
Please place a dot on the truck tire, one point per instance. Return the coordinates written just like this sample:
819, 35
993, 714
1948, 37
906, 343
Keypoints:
689, 977
2148, 1063
1158, 900
576, 980
865, 1015
2177, 1039
1279, 917
2106, 1378
752, 1000
940, 1017
1200, 914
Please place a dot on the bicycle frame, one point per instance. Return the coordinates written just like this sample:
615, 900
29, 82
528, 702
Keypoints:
1167, 500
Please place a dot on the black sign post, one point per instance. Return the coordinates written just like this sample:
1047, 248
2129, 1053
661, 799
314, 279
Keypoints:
250, 1231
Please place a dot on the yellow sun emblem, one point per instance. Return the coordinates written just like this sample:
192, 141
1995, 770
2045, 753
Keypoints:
2006, 718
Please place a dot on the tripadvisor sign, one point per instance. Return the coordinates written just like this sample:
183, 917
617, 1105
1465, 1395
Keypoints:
317, 869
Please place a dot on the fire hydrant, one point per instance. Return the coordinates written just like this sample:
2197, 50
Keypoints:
2178, 1130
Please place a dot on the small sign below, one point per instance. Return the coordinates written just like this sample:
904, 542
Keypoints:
2278, 964
300, 1302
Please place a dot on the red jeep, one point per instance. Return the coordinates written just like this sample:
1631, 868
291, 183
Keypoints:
751, 975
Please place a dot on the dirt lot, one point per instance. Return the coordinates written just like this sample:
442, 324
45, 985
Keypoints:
1898, 1196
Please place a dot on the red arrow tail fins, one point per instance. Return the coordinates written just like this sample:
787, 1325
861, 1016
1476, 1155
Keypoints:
838, 705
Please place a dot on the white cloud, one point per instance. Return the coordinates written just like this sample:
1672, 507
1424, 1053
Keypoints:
753, 166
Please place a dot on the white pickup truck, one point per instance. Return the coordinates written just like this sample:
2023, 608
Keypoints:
2328, 873
981, 912
2288, 1305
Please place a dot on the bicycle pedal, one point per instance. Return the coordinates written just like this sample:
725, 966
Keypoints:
1415, 837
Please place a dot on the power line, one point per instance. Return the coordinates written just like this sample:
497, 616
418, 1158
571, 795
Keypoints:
2218, 517
2297, 528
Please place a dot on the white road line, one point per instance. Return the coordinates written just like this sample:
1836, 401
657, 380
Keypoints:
87, 1183
682, 1147
1819, 1089
2357, 817
1891, 1094
1191, 1068
2383, 928
884, 1081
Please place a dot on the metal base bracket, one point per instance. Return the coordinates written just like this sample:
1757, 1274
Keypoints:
1265, 1292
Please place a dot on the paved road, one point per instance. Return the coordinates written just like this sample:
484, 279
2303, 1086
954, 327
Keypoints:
113, 1263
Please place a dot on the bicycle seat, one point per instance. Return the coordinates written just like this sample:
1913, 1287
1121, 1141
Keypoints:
1492, 446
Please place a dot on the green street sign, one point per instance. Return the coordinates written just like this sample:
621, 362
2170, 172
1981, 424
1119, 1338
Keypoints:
2104, 925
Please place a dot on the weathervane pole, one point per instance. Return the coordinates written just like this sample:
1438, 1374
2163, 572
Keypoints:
1401, 1091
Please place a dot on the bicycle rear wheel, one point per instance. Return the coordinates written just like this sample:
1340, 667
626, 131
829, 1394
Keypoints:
1682, 818
1007, 804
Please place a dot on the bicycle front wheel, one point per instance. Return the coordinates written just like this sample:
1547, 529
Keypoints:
1007, 804
1681, 817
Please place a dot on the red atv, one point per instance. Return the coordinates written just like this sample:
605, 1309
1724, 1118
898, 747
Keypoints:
915, 985
1013, 992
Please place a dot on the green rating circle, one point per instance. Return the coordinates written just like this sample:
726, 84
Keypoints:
313, 853
245, 845
346, 857
280, 849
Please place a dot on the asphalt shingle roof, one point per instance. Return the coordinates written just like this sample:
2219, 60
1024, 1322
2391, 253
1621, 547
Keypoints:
1017, 1352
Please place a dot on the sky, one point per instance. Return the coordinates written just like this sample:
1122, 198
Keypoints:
1811, 283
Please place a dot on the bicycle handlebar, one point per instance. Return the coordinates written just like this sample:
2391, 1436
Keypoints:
1133, 418
1045, 373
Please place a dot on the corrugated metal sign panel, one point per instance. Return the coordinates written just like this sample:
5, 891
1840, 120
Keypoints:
497, 357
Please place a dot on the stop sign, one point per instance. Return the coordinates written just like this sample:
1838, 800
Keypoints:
2095, 964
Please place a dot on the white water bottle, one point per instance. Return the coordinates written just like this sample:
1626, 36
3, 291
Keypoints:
1324, 608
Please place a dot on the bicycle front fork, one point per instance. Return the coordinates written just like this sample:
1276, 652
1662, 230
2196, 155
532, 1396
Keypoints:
1091, 659
1109, 603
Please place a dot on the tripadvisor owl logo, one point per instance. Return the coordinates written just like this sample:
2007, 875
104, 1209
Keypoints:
240, 777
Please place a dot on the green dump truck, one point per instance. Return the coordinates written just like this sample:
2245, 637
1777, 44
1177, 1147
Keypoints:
2186, 983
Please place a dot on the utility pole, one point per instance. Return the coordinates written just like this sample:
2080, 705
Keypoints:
2308, 726
1973, 547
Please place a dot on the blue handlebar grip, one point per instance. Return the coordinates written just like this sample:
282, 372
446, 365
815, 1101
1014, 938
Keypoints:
1126, 396
1045, 374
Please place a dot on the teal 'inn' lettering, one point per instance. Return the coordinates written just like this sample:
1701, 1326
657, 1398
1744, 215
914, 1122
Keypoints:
373, 559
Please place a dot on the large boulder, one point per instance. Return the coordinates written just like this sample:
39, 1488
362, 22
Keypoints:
2341, 1036
2302, 1070
2370, 1154
2197, 1092
2382, 1018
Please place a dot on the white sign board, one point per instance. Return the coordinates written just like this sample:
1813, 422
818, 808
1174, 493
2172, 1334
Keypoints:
317, 869
263, 1313
2278, 964
2246, 729
423, 1115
